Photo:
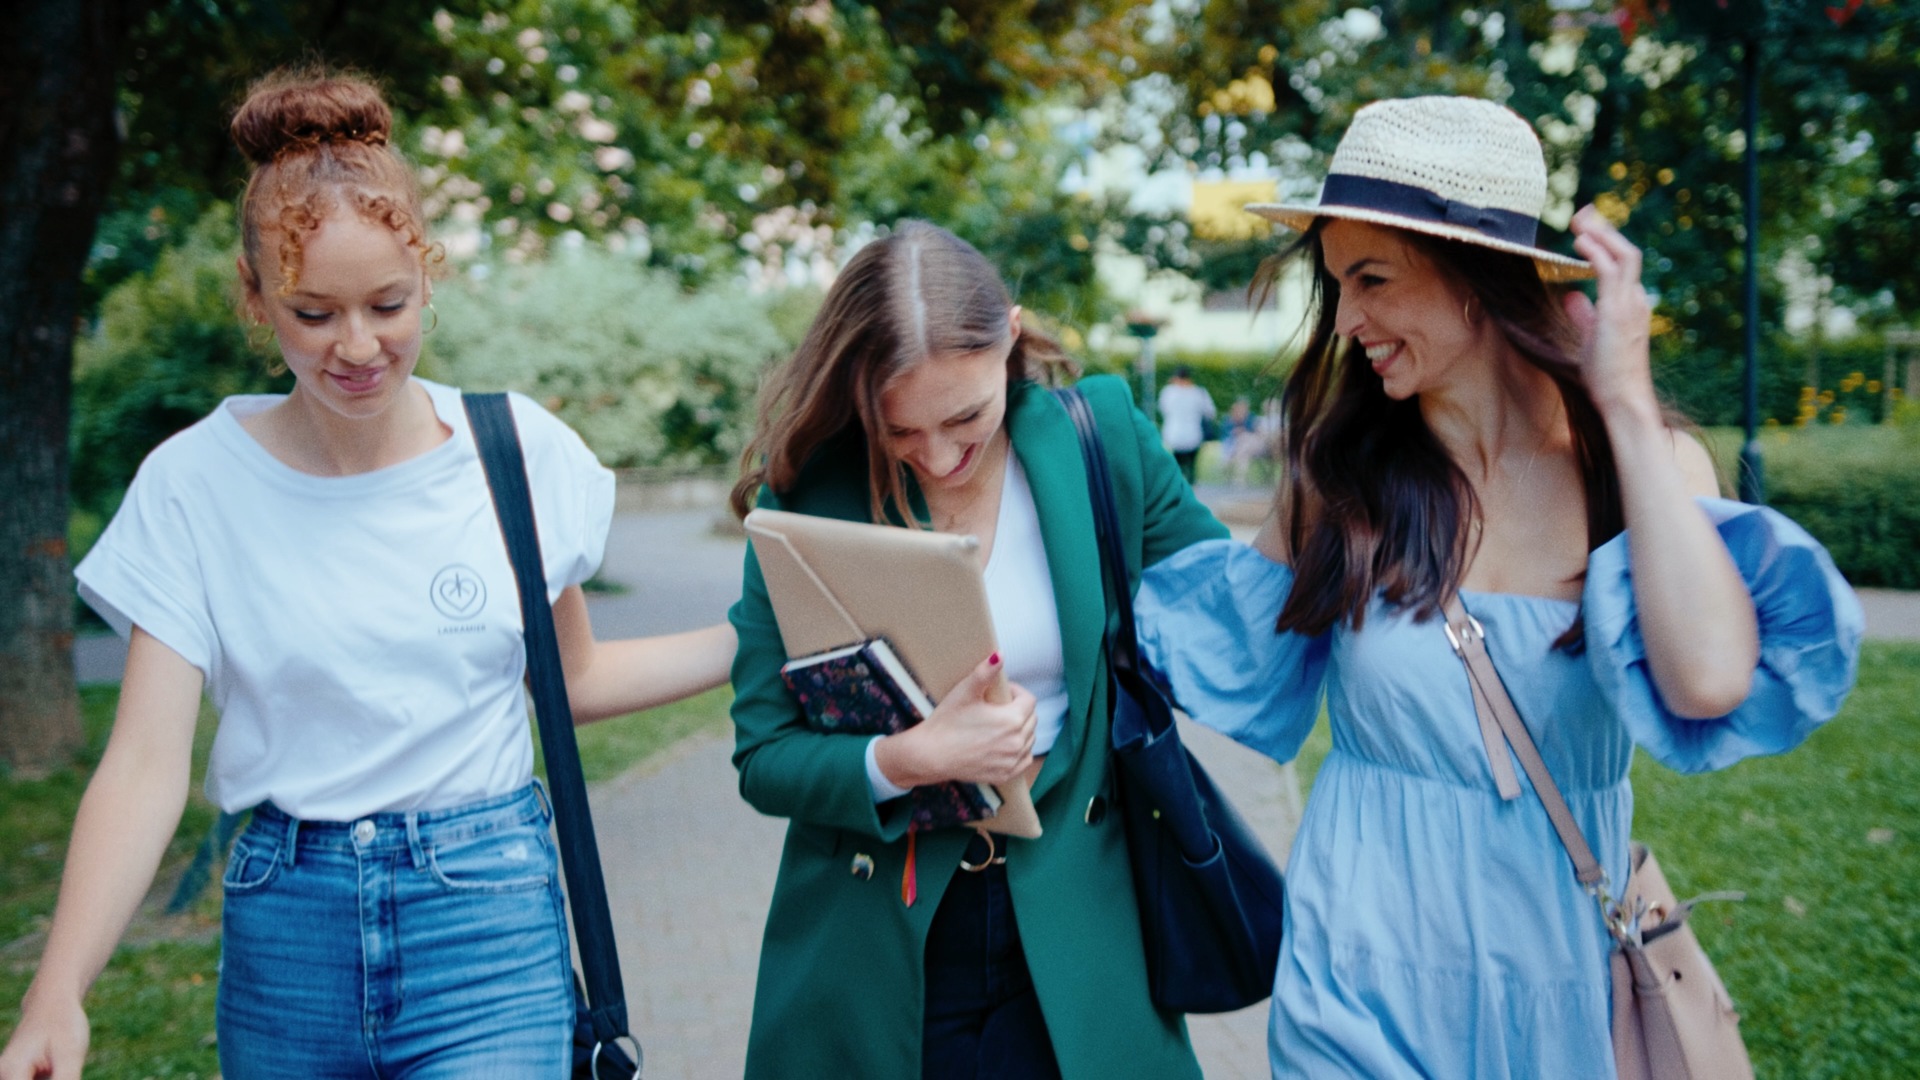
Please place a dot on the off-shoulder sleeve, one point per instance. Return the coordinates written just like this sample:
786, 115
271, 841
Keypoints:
1810, 629
1205, 619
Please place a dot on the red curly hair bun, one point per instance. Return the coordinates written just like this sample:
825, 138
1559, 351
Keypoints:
318, 141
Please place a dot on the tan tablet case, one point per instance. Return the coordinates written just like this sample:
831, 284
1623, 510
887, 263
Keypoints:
835, 583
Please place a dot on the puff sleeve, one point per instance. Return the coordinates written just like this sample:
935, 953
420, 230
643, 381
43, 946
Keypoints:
1810, 629
1205, 622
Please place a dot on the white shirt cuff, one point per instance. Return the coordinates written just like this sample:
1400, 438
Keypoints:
883, 788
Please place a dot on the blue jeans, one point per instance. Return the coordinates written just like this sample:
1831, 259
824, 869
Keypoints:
983, 1018
428, 945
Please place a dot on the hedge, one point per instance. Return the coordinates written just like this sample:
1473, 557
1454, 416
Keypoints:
1856, 489
1224, 375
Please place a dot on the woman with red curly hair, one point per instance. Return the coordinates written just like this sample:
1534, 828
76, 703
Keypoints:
326, 566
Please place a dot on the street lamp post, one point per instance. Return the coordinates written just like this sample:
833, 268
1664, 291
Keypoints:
1145, 326
1753, 487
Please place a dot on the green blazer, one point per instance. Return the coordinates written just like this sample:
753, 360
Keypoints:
841, 986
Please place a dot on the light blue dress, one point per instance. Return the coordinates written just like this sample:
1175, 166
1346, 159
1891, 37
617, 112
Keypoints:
1432, 929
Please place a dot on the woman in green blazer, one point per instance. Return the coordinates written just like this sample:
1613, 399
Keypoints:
916, 397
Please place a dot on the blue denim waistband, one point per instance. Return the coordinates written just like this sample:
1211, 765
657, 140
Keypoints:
407, 830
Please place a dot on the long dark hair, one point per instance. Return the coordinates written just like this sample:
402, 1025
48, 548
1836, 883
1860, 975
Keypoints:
1373, 501
917, 293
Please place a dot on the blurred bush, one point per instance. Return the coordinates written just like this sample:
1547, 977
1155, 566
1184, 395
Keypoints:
1856, 489
648, 373
1225, 375
166, 347
1709, 385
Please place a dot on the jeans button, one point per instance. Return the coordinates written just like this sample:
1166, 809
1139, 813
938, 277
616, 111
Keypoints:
363, 832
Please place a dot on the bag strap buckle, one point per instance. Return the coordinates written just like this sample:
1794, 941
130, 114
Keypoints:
1467, 633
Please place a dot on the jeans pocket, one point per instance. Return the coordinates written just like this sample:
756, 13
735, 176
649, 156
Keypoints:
509, 859
254, 864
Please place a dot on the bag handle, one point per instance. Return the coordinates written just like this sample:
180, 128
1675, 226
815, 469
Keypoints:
498, 441
1123, 647
1154, 718
1501, 725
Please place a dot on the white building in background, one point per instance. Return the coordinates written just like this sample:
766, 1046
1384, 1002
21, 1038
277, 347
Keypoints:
1190, 318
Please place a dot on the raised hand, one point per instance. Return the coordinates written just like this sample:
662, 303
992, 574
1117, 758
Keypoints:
1614, 364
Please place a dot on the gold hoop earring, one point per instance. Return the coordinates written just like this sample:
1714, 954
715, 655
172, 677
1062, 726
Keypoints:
1466, 311
436, 320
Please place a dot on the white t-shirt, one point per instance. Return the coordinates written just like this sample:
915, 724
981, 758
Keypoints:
360, 635
1026, 619
1181, 410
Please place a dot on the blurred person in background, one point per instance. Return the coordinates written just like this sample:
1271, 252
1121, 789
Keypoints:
1187, 416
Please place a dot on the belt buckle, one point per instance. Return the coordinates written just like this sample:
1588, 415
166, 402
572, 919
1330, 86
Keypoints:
992, 859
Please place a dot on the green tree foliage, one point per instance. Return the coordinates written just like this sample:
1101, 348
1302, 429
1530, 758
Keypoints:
699, 136
186, 65
1639, 105
715, 141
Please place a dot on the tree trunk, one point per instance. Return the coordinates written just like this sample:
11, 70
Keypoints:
57, 150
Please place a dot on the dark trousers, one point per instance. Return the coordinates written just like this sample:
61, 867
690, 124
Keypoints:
983, 1018
1185, 459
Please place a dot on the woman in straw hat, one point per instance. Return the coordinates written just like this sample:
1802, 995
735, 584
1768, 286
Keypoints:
1463, 424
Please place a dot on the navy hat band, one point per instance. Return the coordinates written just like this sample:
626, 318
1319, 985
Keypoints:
1406, 200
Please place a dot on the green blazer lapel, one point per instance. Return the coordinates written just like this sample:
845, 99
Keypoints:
1048, 447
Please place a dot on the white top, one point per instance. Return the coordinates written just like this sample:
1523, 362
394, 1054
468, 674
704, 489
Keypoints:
360, 635
1026, 621
1181, 410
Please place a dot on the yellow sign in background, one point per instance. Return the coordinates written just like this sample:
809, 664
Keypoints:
1216, 213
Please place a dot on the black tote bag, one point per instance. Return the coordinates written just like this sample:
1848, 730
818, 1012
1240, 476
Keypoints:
600, 1008
1208, 892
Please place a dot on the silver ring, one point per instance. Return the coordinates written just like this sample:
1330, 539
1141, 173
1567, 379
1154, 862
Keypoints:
639, 1057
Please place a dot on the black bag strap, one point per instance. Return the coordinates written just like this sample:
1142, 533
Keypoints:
1153, 717
498, 441
1123, 648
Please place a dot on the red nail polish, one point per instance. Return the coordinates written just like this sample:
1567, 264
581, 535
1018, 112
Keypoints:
994, 659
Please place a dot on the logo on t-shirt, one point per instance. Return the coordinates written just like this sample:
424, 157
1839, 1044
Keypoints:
458, 592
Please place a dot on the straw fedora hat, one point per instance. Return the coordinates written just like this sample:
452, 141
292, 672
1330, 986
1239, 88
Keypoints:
1453, 167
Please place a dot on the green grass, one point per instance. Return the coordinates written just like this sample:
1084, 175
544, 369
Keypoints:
39, 815
152, 1009
1825, 841
611, 747
1821, 958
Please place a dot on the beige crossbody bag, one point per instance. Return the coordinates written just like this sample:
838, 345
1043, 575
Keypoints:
1672, 1018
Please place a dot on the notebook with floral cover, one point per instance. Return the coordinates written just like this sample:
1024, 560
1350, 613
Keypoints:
865, 690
